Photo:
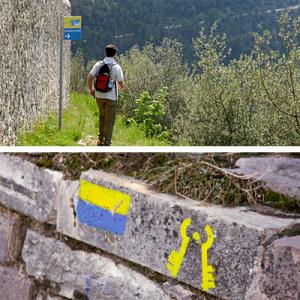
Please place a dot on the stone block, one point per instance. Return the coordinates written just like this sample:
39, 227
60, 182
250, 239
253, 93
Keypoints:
177, 292
28, 189
10, 237
208, 247
88, 274
278, 174
44, 296
14, 286
279, 276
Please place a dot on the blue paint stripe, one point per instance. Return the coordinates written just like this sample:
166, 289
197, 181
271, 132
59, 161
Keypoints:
100, 218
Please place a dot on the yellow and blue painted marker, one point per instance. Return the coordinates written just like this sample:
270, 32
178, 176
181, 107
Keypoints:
103, 208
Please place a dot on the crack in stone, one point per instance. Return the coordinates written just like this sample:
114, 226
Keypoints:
10, 184
292, 230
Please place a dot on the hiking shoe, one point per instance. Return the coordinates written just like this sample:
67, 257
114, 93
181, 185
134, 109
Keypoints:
107, 144
100, 141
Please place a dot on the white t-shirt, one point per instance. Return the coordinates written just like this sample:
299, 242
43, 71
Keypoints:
116, 76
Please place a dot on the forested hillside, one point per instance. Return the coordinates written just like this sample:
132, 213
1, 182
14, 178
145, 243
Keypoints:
213, 99
129, 22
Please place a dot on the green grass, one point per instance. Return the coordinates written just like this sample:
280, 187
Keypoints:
80, 120
132, 136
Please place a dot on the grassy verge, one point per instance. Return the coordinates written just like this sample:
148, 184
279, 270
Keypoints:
80, 120
132, 136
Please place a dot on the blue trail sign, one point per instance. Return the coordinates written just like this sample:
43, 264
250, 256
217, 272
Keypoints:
72, 28
70, 31
72, 35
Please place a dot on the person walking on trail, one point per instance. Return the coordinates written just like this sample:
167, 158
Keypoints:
104, 81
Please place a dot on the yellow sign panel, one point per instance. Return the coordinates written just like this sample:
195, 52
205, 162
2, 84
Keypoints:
73, 22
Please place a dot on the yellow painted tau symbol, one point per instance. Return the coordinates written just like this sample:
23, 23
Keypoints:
175, 258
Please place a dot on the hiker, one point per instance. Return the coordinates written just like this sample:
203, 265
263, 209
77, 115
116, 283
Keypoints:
104, 81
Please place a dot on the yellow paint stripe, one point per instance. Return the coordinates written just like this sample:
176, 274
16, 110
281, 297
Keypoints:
68, 22
112, 200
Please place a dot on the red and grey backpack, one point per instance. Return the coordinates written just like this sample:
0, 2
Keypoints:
103, 82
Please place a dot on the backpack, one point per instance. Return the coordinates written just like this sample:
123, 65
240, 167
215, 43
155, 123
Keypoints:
103, 82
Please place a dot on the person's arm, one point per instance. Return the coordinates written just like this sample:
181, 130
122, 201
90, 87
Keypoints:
120, 78
90, 80
121, 85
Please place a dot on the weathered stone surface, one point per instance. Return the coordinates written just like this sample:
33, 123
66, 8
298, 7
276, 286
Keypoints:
177, 292
280, 273
279, 174
28, 189
94, 276
13, 286
153, 231
29, 62
42, 296
10, 237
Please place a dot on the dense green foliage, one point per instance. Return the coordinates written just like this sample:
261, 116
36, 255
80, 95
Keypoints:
253, 100
150, 113
130, 22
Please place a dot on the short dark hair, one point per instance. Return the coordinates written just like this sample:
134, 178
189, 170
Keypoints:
111, 50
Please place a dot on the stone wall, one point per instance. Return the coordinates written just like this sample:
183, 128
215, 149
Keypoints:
111, 237
29, 62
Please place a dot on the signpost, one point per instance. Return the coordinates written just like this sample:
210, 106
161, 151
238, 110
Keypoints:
72, 28
71, 31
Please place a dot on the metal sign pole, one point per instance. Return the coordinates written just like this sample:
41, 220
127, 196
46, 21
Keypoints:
61, 78
70, 30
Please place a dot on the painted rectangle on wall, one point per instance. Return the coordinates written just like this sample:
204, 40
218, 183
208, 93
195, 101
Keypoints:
102, 208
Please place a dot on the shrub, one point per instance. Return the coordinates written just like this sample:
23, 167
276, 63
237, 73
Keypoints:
279, 79
151, 69
150, 113
251, 101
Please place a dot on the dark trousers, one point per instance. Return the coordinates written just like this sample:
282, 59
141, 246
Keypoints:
107, 117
